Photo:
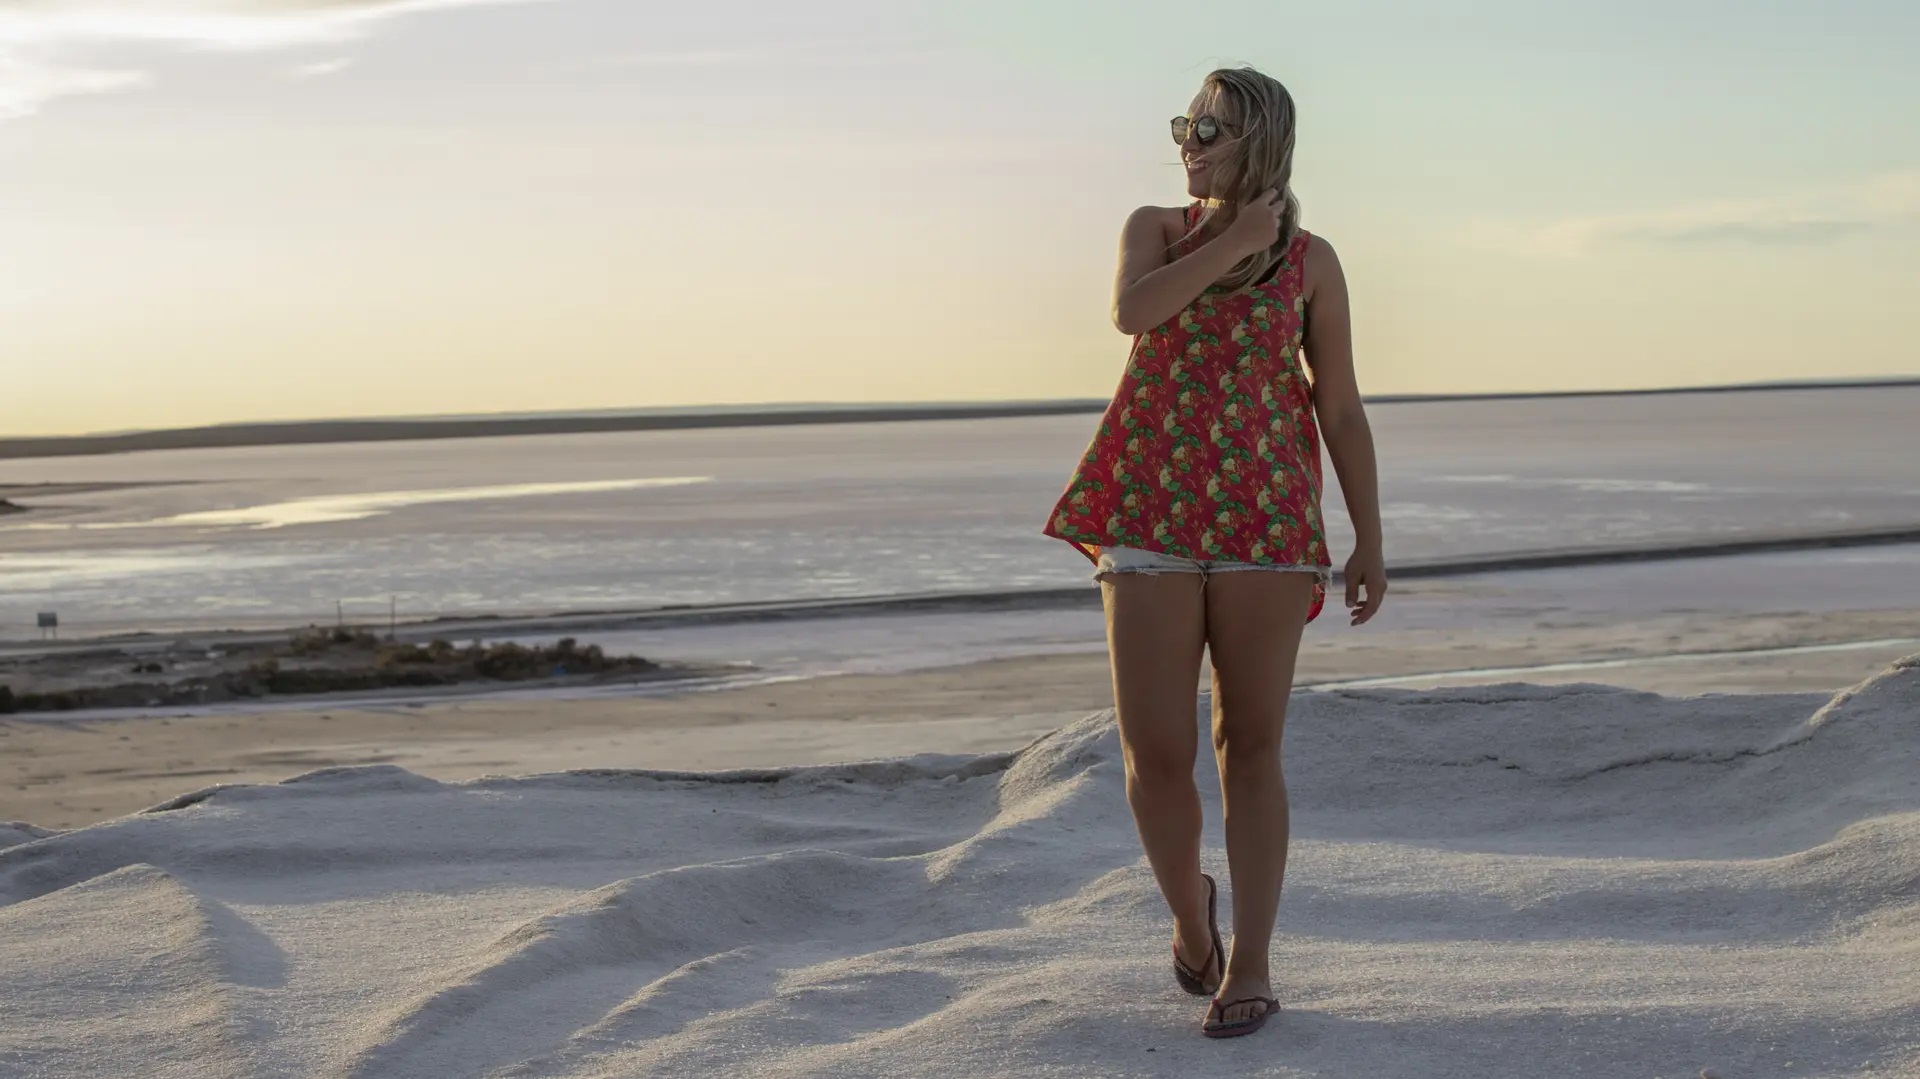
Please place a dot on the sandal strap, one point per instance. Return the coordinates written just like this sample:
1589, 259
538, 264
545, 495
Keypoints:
1272, 1005
1213, 946
1213, 928
1213, 956
1185, 969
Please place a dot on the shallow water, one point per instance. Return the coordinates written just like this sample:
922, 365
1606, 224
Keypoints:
271, 535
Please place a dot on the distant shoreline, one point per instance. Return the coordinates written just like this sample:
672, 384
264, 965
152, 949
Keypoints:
310, 432
559, 623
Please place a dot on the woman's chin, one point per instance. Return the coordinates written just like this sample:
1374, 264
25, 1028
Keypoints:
1198, 185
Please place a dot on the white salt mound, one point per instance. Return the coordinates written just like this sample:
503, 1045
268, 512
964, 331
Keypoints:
1506, 880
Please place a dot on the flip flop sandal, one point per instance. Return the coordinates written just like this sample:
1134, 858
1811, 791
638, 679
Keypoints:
1245, 1026
1195, 981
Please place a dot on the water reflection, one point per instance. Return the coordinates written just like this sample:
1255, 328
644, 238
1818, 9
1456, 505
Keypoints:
326, 509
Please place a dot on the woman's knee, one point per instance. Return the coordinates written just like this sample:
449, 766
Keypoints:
1160, 767
1248, 742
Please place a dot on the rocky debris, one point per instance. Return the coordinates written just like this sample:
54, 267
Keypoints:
312, 662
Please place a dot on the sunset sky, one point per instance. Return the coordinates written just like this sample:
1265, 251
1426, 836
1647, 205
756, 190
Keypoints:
221, 210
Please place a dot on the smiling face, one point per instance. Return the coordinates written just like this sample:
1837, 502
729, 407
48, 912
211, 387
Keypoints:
1251, 152
1205, 161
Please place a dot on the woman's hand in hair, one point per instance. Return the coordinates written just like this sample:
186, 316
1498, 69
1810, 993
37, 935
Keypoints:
1256, 227
1147, 288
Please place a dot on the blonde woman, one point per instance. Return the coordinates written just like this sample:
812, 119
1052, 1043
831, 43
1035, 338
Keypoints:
1198, 501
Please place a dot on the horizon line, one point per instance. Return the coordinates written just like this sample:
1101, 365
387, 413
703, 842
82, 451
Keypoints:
242, 433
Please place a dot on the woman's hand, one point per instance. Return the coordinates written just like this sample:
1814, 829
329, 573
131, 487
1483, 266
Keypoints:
1368, 567
1147, 289
1257, 226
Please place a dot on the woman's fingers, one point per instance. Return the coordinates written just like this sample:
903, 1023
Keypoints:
1376, 593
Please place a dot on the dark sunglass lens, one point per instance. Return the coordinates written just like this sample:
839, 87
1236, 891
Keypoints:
1206, 128
1179, 129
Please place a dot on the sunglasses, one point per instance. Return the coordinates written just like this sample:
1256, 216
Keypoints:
1204, 128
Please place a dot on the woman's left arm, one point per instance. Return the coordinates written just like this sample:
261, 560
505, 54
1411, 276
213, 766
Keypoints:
1343, 422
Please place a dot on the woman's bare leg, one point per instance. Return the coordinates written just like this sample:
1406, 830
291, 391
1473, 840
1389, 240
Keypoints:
1155, 632
1255, 619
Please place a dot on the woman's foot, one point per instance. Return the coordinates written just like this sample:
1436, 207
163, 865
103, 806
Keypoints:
1197, 959
1247, 992
1194, 942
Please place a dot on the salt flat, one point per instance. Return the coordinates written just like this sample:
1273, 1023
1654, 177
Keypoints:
222, 538
1501, 880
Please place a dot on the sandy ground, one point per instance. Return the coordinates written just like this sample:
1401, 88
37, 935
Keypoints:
63, 773
1518, 881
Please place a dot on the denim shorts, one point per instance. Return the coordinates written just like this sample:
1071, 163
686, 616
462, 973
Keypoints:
1131, 560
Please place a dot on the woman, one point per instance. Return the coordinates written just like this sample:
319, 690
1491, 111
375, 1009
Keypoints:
1199, 503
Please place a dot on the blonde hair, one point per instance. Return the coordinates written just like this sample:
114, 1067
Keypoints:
1259, 157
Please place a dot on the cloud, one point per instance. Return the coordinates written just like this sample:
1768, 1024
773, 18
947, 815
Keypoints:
1805, 220
321, 68
25, 85
43, 42
836, 52
683, 58
1775, 233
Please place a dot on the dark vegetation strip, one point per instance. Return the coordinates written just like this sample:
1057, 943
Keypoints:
319, 660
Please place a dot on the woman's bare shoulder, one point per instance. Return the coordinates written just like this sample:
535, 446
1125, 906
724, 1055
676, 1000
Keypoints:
1171, 220
1320, 264
1320, 250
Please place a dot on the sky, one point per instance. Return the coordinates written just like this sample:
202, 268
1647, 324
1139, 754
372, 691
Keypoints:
229, 210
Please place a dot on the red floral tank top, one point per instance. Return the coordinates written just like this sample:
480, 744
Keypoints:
1209, 449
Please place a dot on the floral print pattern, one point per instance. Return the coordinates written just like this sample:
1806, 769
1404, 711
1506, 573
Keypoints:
1209, 448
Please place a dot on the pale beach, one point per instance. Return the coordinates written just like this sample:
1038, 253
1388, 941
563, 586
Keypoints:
1641, 817
1587, 879
589, 539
